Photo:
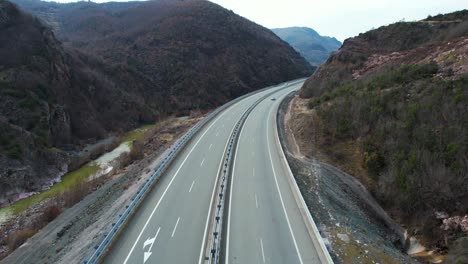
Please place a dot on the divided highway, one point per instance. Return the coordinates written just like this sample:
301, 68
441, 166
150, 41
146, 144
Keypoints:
266, 222
172, 223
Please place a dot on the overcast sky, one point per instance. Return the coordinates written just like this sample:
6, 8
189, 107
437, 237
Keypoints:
338, 18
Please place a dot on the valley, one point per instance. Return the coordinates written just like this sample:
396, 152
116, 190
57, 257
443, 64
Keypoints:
181, 131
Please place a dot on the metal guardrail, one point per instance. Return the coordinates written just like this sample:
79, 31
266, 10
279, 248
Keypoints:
100, 249
103, 246
218, 215
314, 233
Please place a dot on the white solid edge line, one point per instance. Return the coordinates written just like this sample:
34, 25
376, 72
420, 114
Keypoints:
230, 194
175, 227
263, 252
169, 185
279, 191
318, 237
213, 195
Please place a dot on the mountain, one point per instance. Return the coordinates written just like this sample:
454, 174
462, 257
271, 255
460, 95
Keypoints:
52, 99
202, 53
315, 48
390, 105
114, 67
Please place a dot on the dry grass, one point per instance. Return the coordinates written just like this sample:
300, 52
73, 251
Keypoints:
51, 212
17, 238
73, 196
166, 137
346, 155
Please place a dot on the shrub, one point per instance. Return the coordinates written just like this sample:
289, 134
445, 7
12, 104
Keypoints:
72, 196
374, 162
28, 103
50, 213
450, 153
14, 150
137, 150
343, 128
17, 238
311, 104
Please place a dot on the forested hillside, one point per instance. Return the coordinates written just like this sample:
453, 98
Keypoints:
391, 108
114, 67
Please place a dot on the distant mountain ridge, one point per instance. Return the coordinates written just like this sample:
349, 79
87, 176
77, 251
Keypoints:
313, 47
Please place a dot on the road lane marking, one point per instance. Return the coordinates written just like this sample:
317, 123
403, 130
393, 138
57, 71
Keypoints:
210, 146
253, 153
256, 201
169, 185
217, 133
200, 259
175, 227
191, 186
150, 242
201, 164
279, 191
263, 252
230, 194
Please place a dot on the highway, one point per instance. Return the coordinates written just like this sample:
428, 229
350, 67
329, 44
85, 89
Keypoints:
265, 224
172, 223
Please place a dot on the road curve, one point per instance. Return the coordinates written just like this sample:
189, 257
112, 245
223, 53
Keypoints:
266, 221
171, 224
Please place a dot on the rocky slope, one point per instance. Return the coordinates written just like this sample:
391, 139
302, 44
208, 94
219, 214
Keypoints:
122, 65
313, 47
390, 108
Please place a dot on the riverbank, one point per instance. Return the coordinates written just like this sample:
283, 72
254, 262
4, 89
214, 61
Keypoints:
119, 173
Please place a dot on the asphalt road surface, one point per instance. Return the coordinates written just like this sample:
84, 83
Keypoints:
265, 224
171, 224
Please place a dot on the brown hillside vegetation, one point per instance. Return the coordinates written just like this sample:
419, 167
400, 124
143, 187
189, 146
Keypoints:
50, 99
399, 96
200, 52
122, 65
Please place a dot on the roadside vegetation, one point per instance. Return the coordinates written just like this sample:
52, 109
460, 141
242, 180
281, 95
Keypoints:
410, 129
72, 188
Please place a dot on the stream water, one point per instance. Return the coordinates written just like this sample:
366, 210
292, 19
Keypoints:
92, 170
